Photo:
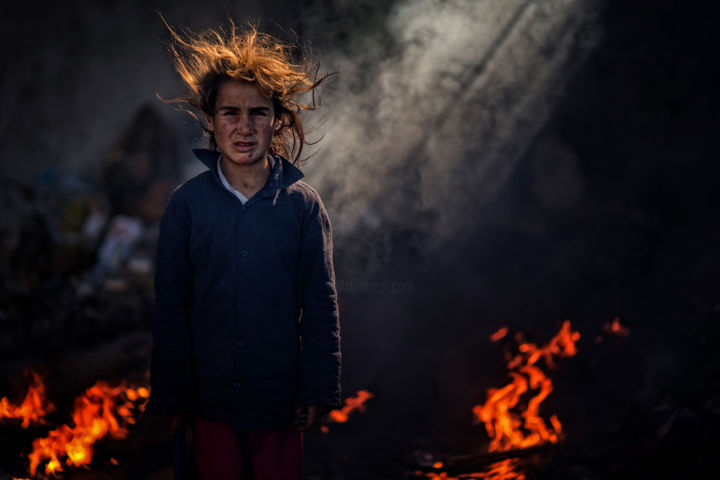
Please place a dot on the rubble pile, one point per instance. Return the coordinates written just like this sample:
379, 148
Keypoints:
76, 255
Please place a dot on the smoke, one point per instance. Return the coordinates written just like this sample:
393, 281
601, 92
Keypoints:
434, 103
429, 116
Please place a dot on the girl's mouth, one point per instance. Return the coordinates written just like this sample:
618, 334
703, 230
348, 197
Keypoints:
244, 146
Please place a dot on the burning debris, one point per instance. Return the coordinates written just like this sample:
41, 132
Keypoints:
100, 411
354, 403
499, 335
511, 414
32, 409
502, 470
513, 423
615, 328
509, 430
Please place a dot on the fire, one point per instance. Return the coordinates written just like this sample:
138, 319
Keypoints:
356, 403
102, 410
499, 335
33, 408
509, 430
615, 328
502, 470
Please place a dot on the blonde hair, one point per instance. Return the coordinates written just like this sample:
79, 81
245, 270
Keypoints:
207, 59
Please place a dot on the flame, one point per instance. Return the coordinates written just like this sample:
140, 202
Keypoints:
100, 411
33, 408
499, 335
615, 328
509, 430
502, 470
351, 404
356, 403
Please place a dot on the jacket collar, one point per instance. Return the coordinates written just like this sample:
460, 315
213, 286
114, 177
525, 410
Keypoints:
282, 175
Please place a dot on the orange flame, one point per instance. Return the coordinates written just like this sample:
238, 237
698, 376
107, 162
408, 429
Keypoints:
615, 328
499, 335
356, 403
32, 409
102, 410
351, 404
509, 430
502, 470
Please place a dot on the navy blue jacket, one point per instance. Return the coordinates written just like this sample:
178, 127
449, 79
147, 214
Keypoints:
246, 324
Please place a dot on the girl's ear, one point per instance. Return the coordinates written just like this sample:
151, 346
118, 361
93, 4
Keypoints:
277, 125
209, 121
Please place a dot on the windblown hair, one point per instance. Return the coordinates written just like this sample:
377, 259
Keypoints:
206, 60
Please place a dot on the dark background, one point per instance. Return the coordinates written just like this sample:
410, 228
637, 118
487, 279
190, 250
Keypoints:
601, 202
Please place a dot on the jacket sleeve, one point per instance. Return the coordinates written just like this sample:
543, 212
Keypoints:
171, 385
319, 323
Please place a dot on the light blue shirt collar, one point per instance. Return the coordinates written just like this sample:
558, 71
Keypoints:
227, 185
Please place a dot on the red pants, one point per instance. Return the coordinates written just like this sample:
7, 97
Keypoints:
260, 455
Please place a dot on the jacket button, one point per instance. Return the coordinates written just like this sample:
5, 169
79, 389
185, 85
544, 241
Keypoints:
236, 385
241, 343
243, 299
244, 253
